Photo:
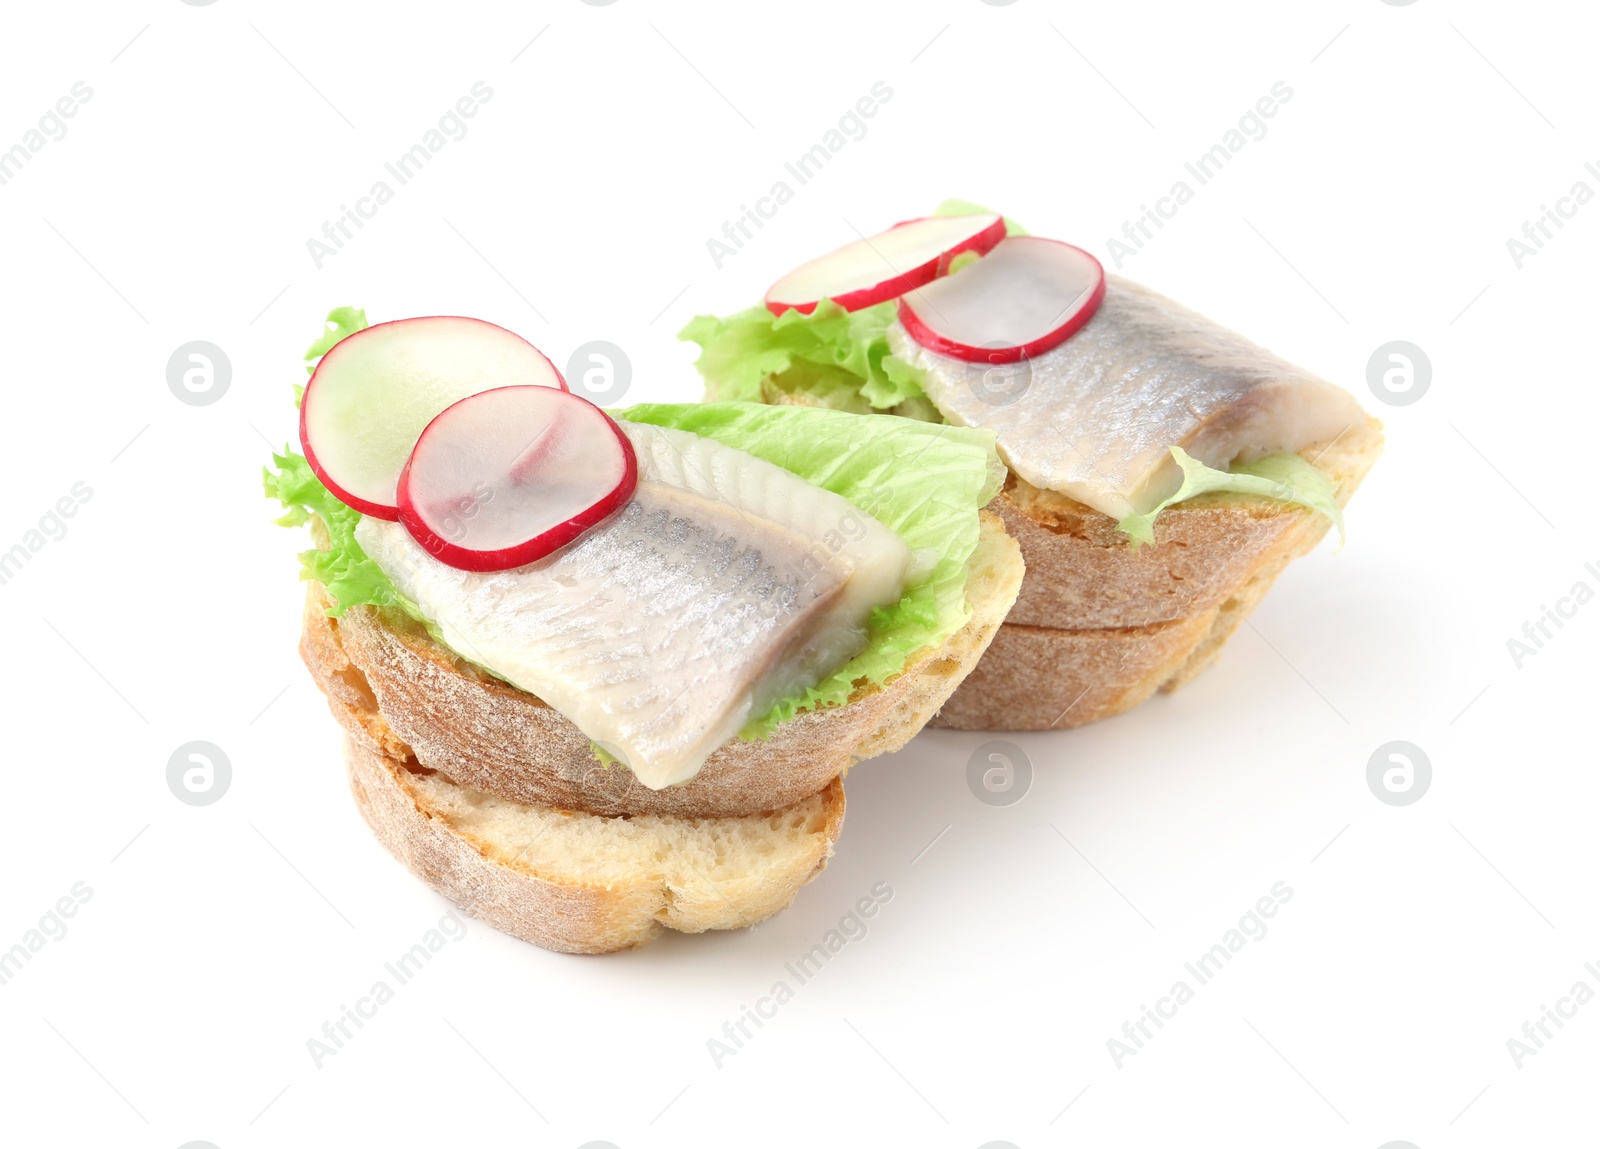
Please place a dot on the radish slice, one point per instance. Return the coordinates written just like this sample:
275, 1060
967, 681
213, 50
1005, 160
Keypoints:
372, 395
888, 264
505, 477
1023, 298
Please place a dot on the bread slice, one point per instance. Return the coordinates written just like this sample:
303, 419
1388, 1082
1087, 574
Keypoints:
389, 683
583, 883
1099, 627
497, 801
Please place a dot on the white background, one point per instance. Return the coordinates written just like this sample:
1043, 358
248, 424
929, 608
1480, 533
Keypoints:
219, 939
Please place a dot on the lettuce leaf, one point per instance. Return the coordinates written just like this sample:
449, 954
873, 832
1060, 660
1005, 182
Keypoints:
924, 481
847, 349
341, 321
1287, 477
350, 577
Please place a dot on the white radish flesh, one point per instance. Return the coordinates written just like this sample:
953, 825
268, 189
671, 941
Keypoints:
1026, 296
885, 265
375, 391
505, 477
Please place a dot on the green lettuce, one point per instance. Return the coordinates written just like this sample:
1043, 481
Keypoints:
926, 482
341, 321
836, 355
1287, 477
351, 578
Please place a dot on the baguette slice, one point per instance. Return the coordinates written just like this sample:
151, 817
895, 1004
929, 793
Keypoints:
1100, 627
583, 883
389, 683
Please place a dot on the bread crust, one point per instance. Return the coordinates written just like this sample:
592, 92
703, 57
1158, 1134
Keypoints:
1099, 627
565, 908
1034, 678
388, 683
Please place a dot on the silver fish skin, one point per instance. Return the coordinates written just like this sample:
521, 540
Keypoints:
662, 631
1094, 417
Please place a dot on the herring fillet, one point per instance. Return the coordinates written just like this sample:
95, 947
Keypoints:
648, 632
712, 594
1096, 415
879, 557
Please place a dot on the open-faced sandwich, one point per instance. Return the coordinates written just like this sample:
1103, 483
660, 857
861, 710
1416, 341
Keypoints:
1162, 469
600, 675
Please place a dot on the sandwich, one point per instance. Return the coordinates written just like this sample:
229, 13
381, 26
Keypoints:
601, 673
1161, 469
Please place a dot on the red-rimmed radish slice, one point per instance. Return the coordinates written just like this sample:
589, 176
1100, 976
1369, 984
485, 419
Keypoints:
372, 395
508, 476
1023, 298
886, 265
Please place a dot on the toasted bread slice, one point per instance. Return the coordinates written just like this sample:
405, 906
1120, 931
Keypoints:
389, 683
1099, 627
583, 883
